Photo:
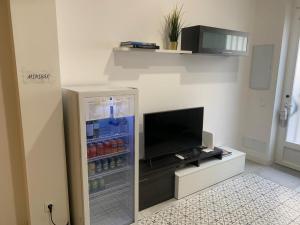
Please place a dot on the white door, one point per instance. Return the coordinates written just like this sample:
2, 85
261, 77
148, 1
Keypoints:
288, 145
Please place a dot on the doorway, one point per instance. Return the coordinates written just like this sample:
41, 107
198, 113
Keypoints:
288, 142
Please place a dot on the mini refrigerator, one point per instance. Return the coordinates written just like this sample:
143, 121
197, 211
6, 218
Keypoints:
101, 129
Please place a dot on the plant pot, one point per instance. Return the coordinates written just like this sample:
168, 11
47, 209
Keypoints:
173, 45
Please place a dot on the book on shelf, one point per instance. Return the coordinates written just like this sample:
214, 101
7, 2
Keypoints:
136, 44
224, 152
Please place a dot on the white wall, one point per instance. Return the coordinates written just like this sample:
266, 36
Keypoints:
259, 121
36, 51
7, 208
7, 196
88, 32
13, 192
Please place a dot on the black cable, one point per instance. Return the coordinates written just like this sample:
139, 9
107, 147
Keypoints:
50, 207
52, 219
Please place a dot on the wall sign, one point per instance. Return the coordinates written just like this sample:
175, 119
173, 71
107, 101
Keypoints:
37, 77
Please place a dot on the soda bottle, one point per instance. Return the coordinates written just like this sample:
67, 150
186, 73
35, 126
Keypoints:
92, 150
89, 151
107, 147
114, 146
100, 149
120, 144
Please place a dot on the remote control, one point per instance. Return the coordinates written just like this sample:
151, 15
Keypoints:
179, 156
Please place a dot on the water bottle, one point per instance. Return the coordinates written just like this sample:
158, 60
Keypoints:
105, 164
98, 166
103, 129
124, 126
96, 129
89, 129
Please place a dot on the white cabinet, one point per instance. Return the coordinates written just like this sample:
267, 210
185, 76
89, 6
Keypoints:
192, 178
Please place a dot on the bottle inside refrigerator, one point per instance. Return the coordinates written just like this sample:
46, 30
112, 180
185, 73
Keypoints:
108, 141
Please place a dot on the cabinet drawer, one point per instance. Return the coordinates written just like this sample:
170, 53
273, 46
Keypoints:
156, 189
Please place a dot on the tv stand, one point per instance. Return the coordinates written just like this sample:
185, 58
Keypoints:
157, 176
191, 179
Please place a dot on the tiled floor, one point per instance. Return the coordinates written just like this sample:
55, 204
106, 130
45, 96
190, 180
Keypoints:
279, 174
242, 200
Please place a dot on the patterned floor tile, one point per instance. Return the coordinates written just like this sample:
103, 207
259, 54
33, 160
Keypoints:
283, 210
293, 223
261, 221
296, 221
281, 194
199, 217
153, 220
172, 212
245, 216
276, 219
296, 196
293, 204
246, 199
256, 207
187, 220
229, 218
267, 203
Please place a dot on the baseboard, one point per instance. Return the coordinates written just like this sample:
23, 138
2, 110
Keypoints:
289, 165
258, 159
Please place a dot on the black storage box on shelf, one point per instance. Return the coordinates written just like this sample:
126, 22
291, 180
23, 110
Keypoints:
212, 40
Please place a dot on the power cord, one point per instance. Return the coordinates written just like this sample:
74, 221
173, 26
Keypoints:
50, 207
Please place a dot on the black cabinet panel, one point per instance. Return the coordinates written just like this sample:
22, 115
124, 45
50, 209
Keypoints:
156, 189
157, 178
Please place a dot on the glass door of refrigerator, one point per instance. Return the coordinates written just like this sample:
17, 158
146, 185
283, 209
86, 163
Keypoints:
110, 156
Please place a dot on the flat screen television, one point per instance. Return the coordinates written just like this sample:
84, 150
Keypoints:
171, 132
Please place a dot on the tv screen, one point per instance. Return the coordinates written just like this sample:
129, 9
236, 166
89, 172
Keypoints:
172, 131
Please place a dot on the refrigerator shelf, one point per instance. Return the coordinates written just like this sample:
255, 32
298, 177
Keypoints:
109, 172
108, 190
118, 215
93, 140
109, 155
116, 195
106, 210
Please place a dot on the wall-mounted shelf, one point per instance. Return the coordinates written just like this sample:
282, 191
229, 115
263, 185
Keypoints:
125, 49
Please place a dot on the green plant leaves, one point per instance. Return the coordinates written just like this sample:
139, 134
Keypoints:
174, 23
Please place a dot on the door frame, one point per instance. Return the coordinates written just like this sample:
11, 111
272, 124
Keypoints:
291, 63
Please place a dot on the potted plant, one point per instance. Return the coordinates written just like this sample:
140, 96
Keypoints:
173, 26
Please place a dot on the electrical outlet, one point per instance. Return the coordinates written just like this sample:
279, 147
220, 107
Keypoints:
46, 206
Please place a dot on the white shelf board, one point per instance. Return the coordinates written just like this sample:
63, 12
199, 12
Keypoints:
125, 49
